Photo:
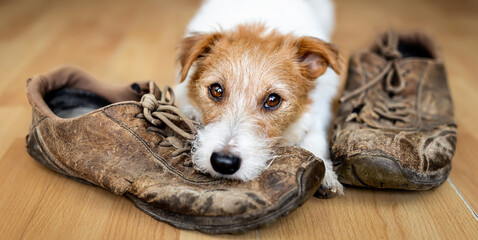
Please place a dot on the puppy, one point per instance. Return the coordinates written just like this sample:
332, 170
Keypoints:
258, 73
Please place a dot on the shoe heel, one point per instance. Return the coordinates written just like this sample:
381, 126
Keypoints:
38, 152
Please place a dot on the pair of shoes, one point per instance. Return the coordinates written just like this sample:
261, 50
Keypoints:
132, 141
395, 126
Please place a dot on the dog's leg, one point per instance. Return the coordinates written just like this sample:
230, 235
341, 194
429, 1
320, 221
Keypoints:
315, 142
315, 138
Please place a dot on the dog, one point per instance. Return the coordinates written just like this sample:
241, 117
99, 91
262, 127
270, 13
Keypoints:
257, 73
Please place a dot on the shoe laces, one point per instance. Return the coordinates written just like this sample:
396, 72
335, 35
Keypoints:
160, 112
391, 74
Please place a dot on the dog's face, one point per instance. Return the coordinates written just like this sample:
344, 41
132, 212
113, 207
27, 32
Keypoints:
249, 85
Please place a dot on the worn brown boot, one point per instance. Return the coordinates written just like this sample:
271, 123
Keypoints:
395, 126
103, 135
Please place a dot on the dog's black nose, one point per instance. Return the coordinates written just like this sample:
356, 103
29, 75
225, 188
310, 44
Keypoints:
225, 163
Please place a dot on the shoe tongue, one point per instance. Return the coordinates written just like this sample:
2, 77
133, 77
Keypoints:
387, 45
141, 88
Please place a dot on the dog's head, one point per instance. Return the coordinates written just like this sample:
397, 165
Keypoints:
249, 84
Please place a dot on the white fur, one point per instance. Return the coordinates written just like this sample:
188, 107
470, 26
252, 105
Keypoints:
300, 17
304, 18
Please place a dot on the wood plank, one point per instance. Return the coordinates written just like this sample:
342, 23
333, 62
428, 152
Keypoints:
23, 183
192, 235
464, 167
375, 214
40, 23
68, 42
13, 125
140, 49
72, 210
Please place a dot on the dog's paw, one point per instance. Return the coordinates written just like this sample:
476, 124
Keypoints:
330, 187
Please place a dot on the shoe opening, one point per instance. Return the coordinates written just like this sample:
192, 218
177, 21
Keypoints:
72, 102
412, 45
414, 49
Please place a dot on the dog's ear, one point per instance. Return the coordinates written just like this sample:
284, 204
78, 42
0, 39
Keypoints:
194, 47
316, 55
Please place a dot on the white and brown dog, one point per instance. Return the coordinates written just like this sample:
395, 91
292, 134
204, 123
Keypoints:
257, 72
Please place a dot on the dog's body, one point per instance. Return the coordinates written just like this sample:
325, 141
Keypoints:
250, 72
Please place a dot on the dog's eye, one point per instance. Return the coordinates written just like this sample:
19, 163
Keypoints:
216, 91
272, 101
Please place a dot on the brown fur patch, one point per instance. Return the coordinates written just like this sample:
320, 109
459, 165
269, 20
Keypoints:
251, 63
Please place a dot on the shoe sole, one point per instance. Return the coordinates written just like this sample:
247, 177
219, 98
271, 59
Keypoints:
382, 172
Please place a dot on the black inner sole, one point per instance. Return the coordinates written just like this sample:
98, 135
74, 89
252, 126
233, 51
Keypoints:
72, 102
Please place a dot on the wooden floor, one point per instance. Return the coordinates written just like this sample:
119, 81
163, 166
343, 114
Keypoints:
136, 40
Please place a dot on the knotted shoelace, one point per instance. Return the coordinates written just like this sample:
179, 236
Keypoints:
394, 82
162, 111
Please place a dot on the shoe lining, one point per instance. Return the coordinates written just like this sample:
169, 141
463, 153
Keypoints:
72, 102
